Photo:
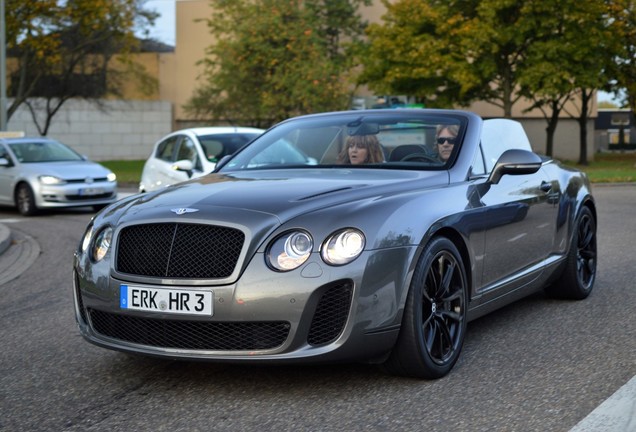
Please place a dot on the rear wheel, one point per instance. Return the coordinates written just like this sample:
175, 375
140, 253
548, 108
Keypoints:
434, 321
25, 200
577, 280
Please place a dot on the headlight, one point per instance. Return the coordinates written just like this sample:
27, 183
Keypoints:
111, 177
51, 180
101, 245
343, 246
290, 250
88, 235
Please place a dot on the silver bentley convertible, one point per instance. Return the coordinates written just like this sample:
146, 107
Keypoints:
350, 236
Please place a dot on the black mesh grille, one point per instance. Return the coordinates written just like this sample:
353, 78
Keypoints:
331, 315
83, 180
195, 335
179, 250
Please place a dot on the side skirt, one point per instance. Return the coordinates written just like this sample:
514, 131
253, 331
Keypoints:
510, 293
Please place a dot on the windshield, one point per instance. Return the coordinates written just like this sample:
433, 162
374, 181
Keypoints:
408, 139
216, 146
43, 151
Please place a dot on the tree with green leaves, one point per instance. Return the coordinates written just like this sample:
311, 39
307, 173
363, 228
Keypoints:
450, 52
71, 49
565, 67
273, 59
456, 52
622, 14
592, 50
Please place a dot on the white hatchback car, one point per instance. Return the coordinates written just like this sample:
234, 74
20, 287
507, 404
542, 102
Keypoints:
190, 153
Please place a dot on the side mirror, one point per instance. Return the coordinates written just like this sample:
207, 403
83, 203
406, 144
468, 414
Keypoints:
515, 162
184, 165
4, 162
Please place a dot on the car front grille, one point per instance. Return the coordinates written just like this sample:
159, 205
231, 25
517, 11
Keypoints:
331, 315
177, 250
87, 197
83, 180
194, 335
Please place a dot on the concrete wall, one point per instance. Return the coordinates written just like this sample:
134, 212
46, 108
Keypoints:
118, 130
566, 138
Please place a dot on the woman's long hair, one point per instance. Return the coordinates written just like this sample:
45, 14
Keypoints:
370, 142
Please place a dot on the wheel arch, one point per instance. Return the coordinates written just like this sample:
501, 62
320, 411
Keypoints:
456, 238
589, 202
17, 185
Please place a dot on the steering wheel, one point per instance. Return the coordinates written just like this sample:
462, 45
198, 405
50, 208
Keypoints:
419, 157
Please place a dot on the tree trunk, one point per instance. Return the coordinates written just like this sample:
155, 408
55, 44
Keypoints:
551, 128
507, 94
585, 102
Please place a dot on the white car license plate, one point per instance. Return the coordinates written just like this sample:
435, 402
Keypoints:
90, 191
176, 301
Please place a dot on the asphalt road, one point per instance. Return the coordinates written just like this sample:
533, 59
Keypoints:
537, 365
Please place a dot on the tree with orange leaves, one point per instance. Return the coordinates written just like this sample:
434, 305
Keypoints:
70, 49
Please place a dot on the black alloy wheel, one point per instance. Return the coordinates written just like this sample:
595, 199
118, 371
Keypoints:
577, 280
586, 250
434, 322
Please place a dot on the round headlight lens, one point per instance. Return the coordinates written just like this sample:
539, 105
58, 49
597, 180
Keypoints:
102, 244
111, 177
290, 250
342, 247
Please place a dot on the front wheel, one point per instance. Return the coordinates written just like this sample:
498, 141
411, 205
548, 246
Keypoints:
25, 200
577, 280
434, 321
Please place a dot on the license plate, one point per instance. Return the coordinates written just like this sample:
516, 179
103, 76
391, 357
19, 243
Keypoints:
90, 191
175, 301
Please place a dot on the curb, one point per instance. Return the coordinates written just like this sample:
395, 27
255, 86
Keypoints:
5, 238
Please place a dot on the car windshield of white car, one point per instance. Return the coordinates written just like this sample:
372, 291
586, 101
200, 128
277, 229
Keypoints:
387, 140
215, 146
43, 151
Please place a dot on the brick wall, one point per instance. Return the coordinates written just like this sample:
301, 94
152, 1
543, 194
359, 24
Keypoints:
113, 130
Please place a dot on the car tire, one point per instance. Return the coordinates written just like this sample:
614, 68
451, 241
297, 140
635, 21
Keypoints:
25, 200
577, 280
434, 321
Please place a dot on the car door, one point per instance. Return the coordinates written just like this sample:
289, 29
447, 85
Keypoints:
520, 220
7, 174
163, 160
186, 150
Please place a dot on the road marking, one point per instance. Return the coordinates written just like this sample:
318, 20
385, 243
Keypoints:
616, 414
10, 220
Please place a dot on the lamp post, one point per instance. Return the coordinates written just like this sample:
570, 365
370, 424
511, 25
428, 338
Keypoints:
3, 70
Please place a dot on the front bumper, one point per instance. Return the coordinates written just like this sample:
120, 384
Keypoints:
315, 313
75, 194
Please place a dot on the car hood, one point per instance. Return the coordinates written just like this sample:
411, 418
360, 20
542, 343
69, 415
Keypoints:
68, 170
279, 194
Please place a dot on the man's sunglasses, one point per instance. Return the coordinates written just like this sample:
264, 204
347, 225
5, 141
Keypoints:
442, 140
